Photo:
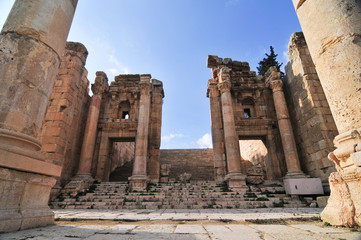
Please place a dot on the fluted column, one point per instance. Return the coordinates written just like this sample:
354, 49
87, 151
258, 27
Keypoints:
288, 141
87, 149
139, 178
32, 40
236, 180
217, 132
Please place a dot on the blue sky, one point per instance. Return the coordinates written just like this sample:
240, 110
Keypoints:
171, 40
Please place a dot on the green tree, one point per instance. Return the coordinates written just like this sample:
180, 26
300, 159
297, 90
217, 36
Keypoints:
269, 61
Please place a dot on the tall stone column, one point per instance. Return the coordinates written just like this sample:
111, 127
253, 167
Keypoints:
236, 180
139, 178
273, 80
86, 156
217, 133
83, 178
155, 130
32, 40
332, 29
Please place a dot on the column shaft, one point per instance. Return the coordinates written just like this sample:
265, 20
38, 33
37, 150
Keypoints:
217, 133
86, 156
32, 40
87, 148
139, 177
274, 81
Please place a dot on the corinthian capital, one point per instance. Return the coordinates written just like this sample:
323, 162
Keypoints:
145, 88
224, 86
212, 90
100, 84
276, 85
224, 74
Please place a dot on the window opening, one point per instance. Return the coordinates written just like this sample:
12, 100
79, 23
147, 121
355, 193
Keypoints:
247, 113
125, 115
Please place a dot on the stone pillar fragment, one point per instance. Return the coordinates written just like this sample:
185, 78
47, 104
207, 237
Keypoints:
332, 29
217, 131
155, 130
273, 80
139, 178
32, 40
236, 180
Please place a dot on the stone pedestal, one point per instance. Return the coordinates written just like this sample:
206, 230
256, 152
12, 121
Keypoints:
236, 180
332, 29
32, 41
139, 179
344, 204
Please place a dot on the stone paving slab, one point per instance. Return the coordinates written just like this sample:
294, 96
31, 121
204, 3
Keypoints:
187, 215
184, 231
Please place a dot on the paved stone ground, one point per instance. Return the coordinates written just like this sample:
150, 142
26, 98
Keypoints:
208, 224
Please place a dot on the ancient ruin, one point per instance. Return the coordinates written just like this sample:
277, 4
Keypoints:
58, 140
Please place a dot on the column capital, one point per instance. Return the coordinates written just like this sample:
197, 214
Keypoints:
145, 88
100, 84
276, 85
224, 74
212, 90
224, 86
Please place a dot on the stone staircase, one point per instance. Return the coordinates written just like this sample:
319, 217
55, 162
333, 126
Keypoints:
175, 195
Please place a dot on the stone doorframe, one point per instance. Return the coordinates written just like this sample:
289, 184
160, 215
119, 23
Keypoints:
102, 160
268, 136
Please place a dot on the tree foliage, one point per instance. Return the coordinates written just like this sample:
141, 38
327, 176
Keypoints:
269, 61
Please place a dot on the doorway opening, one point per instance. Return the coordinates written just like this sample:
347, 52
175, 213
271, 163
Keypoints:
253, 153
122, 159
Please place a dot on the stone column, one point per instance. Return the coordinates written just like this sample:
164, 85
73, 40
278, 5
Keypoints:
273, 80
236, 180
155, 131
83, 179
217, 132
91, 127
32, 40
139, 178
332, 29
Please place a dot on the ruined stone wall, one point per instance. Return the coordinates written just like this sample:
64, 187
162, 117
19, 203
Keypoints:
311, 117
198, 162
64, 122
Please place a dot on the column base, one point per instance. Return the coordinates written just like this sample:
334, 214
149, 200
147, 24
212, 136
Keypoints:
25, 204
138, 183
295, 174
344, 205
236, 182
78, 183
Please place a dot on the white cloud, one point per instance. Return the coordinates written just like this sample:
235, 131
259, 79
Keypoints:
205, 141
114, 71
118, 65
171, 136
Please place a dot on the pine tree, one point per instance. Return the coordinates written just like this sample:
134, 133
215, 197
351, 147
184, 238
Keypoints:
269, 61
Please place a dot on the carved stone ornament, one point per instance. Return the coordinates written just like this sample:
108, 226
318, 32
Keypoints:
276, 85
224, 86
98, 89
